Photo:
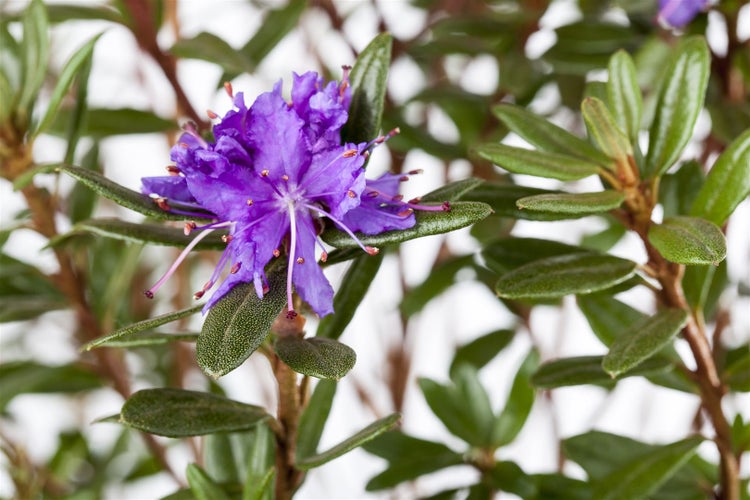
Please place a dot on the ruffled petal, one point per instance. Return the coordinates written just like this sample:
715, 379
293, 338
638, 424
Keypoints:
309, 280
172, 187
336, 178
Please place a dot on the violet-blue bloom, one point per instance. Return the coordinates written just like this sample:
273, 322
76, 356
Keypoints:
678, 13
272, 171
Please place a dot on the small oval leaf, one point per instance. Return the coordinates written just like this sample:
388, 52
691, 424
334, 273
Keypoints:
643, 339
554, 277
502, 199
689, 240
316, 357
238, 324
180, 413
573, 203
604, 130
538, 163
623, 94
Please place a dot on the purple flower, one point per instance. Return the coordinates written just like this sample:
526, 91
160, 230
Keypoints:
678, 13
272, 172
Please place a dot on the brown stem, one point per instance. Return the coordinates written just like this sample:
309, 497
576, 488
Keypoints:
288, 478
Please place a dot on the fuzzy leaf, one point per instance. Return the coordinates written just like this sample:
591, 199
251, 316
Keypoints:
202, 486
573, 203
538, 163
147, 233
316, 356
502, 199
604, 130
452, 191
506, 254
623, 94
588, 370
689, 240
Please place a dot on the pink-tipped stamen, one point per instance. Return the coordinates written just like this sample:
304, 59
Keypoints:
151, 291
228, 89
344, 227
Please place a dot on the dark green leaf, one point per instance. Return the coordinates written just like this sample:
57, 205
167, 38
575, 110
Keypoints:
453, 191
461, 214
314, 418
59, 13
211, 48
737, 373
679, 103
509, 253
689, 240
508, 476
353, 288
604, 131
26, 377
367, 434
316, 356
677, 191
202, 486
559, 487
439, 280
152, 339
481, 350
623, 94
538, 163
604, 240
238, 324
260, 466
368, 80
26, 292
35, 46
145, 232
518, 406
130, 331
82, 200
573, 203
643, 339
588, 370
727, 183
502, 199
180, 413
578, 273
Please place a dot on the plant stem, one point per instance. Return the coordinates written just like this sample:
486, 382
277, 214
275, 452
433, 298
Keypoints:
288, 478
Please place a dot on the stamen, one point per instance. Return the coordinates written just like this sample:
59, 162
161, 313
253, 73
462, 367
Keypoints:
265, 172
191, 129
227, 238
344, 227
162, 203
417, 171
324, 257
300, 260
349, 153
235, 268
372, 250
284, 177
373, 194
200, 293
173, 170
398, 197
351, 194
276, 252
189, 226
229, 90
212, 115
249, 202
416, 200
150, 292
403, 178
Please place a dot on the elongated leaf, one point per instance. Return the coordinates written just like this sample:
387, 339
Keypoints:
35, 46
644, 476
27, 377
538, 163
727, 183
508, 476
238, 324
146, 232
59, 13
367, 434
607, 316
314, 418
643, 339
439, 280
368, 80
604, 130
547, 136
260, 466
211, 48
130, 331
462, 214
578, 273
689, 240
679, 103
202, 486
452, 191
180, 413
506, 254
588, 370
502, 199
737, 372
127, 197
573, 203
316, 357
623, 94
25, 292
353, 288
152, 339
518, 406
481, 350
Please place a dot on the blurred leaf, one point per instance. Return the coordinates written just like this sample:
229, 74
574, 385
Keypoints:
35, 47
145, 232
508, 476
181, 413
538, 163
354, 286
440, 279
607, 316
260, 465
677, 191
703, 285
202, 486
82, 200
727, 183
578, 273
408, 458
518, 405
239, 323
506, 254
59, 13
604, 240
152, 339
27, 377
211, 48
559, 487
461, 214
481, 350
314, 418
25, 291
502, 199
737, 373
105, 122
367, 434
643, 339
224, 455
452, 191
573, 203
604, 130
680, 101
316, 356
468, 111
368, 80
689, 240
582, 370
127, 197
624, 95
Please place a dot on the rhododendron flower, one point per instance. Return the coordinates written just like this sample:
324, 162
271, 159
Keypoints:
678, 13
272, 171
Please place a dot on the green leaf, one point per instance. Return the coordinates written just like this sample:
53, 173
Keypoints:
367, 434
131, 331
408, 458
211, 48
559, 487
181, 413
106, 122
679, 103
727, 183
623, 94
643, 339
145, 232
607, 316
508, 476
35, 56
202, 486
72, 68
643, 476
461, 214
582, 370
578, 273
737, 373
573, 203
481, 350
368, 80
314, 418
604, 130
604, 240
452, 191
238, 324
502, 199
677, 191
538, 163
440, 279
127, 197
506, 254
59, 13
152, 339
547, 136
518, 406
316, 356
260, 466
689, 240
25, 291
353, 288
82, 200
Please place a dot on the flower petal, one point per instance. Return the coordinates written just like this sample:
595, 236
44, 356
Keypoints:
309, 280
